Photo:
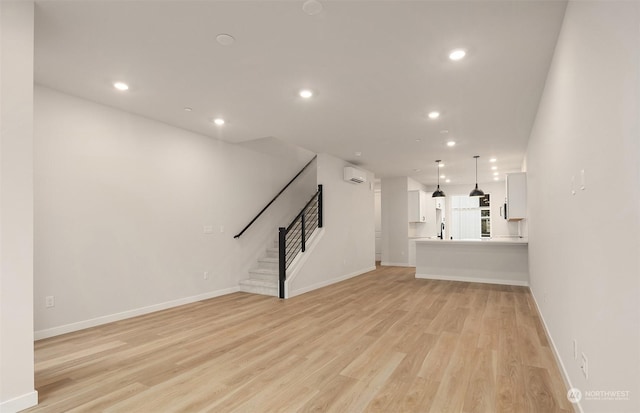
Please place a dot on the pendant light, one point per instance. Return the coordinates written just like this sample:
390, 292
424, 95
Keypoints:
438, 192
476, 191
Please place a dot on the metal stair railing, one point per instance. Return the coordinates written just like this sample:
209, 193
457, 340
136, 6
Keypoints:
238, 235
293, 239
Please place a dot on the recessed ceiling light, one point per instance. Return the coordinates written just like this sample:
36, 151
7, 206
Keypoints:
225, 39
496, 173
496, 179
312, 7
434, 115
442, 176
440, 165
457, 54
492, 160
493, 168
305, 93
448, 180
188, 109
451, 143
218, 121
121, 86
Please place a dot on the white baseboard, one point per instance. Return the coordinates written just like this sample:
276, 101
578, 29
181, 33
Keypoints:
395, 264
554, 350
473, 279
329, 282
19, 403
81, 325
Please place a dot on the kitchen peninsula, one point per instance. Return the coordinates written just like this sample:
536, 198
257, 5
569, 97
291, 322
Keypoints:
493, 261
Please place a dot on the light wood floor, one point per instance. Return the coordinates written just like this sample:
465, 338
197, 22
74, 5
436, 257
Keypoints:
380, 342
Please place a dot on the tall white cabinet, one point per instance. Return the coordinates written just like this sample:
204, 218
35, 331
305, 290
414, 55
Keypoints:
418, 206
516, 196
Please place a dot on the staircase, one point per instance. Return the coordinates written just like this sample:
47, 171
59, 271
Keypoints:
263, 279
271, 274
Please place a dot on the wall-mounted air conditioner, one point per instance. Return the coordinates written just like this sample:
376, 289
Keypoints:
354, 175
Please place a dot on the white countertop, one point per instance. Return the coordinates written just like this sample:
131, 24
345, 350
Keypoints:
485, 241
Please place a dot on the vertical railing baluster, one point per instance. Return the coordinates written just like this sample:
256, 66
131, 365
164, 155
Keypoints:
282, 260
302, 239
319, 206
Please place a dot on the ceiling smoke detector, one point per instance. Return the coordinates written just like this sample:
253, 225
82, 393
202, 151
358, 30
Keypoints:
312, 7
225, 39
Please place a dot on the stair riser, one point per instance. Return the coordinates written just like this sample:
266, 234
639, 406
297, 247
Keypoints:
268, 265
259, 290
272, 254
264, 277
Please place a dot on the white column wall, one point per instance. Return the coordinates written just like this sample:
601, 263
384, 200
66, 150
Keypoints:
395, 221
16, 206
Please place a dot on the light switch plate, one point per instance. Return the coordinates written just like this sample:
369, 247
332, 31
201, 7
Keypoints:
49, 301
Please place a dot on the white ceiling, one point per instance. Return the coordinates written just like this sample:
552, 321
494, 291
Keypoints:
377, 68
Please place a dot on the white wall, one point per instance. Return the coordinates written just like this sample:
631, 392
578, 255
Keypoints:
120, 207
16, 206
584, 248
346, 247
395, 221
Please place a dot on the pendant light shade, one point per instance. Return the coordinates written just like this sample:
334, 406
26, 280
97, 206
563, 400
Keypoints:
438, 192
477, 191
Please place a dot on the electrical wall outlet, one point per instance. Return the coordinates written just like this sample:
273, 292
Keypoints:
49, 301
584, 366
205, 275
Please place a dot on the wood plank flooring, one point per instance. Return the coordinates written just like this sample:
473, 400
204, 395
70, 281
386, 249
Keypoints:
380, 342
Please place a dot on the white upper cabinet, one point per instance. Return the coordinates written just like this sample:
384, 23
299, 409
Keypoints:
516, 196
418, 206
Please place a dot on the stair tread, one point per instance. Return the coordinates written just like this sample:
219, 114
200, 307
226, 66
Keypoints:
260, 283
267, 259
263, 271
